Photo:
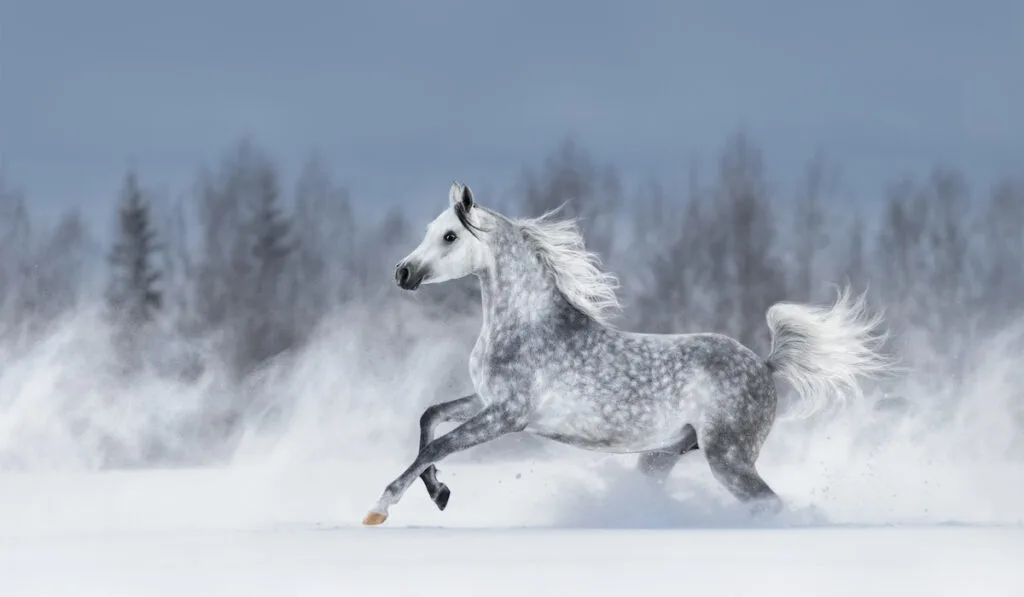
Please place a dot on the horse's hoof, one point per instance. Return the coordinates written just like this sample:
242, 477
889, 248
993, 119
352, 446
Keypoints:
441, 499
374, 519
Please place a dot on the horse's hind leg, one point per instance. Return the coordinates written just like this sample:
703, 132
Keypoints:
454, 411
657, 464
731, 451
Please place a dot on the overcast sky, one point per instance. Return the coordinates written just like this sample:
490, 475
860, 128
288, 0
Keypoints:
402, 97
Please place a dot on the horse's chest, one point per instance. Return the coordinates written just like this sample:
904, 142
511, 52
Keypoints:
477, 364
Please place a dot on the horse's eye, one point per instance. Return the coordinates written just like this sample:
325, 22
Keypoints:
449, 237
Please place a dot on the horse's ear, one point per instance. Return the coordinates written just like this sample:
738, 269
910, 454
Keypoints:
455, 193
467, 198
461, 193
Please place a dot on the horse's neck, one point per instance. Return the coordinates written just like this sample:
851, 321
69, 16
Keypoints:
516, 290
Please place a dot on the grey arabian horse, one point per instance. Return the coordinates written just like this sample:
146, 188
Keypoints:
549, 362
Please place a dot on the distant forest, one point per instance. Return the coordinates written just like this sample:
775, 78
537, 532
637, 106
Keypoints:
246, 268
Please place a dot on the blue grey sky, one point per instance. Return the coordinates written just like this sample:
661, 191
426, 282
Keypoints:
400, 97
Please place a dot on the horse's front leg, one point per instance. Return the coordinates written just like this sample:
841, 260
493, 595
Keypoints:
455, 411
492, 422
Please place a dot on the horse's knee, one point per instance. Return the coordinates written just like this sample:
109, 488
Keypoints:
429, 416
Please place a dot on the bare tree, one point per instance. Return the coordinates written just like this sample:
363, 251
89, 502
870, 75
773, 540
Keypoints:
853, 263
743, 243
40, 270
900, 248
947, 239
1001, 227
679, 261
653, 221
380, 249
810, 232
570, 179
951, 298
325, 225
16, 251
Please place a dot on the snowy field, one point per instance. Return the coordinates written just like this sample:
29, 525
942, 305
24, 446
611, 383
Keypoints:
881, 501
586, 524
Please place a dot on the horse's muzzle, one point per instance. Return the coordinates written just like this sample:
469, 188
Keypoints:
409, 277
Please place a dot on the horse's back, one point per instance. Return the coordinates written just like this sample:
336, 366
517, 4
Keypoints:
677, 358
716, 369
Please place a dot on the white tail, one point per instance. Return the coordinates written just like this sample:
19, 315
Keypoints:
821, 351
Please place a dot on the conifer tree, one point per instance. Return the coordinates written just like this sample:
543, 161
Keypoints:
133, 296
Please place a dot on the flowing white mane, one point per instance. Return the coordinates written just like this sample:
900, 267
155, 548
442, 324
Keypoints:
576, 270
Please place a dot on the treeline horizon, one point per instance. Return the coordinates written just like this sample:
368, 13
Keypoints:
253, 265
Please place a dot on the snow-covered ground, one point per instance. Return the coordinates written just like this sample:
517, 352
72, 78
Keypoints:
579, 523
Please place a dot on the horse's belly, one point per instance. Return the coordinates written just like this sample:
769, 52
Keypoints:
617, 427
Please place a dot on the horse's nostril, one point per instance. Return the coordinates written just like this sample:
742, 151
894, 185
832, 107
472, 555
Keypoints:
402, 275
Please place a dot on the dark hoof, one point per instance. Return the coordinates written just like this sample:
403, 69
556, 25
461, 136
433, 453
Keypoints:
441, 497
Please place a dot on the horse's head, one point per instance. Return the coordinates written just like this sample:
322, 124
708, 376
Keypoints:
450, 249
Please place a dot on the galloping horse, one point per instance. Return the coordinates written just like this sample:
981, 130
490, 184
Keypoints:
548, 361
